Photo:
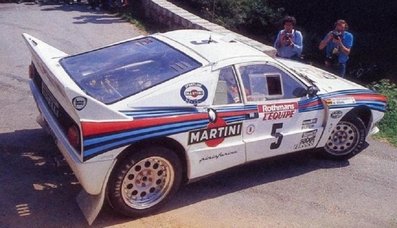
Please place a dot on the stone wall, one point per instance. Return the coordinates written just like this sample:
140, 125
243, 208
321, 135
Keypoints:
167, 13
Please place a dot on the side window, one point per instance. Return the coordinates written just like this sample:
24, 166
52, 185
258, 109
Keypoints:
267, 82
263, 86
227, 89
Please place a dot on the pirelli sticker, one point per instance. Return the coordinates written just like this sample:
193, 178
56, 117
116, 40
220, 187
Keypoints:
278, 111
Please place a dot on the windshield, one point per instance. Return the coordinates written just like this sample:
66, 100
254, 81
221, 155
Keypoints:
113, 73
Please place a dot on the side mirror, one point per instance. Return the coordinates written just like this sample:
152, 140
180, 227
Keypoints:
312, 91
300, 92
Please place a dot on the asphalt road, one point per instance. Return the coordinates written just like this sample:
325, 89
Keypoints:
37, 189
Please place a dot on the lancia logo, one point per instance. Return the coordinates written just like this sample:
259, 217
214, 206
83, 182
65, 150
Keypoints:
79, 103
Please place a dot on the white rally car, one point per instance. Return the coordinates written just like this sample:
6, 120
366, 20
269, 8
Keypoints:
138, 118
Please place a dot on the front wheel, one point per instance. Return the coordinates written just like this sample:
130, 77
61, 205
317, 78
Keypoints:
144, 181
346, 139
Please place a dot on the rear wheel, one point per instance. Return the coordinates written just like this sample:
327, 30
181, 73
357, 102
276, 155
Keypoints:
347, 139
144, 181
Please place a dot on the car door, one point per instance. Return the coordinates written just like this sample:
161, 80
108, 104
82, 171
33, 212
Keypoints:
283, 125
220, 144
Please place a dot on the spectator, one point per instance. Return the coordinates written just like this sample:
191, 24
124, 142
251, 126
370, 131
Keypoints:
337, 44
94, 4
289, 41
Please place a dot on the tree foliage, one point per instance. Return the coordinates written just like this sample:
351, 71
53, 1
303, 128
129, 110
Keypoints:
253, 17
373, 24
388, 125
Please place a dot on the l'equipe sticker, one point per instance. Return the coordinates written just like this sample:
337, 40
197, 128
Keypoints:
278, 111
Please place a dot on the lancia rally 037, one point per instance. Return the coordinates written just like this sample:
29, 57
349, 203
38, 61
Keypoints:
136, 119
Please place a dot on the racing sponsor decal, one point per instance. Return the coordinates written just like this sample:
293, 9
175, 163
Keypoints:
336, 114
340, 101
278, 111
212, 115
51, 101
215, 133
194, 93
150, 122
307, 140
250, 129
310, 123
79, 103
216, 156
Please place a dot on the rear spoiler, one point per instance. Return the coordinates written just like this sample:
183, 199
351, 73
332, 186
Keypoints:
46, 60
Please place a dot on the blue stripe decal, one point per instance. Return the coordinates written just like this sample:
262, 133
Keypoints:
374, 105
160, 112
96, 145
109, 146
90, 142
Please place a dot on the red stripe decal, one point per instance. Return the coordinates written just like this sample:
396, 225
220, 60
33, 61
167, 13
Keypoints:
91, 128
95, 128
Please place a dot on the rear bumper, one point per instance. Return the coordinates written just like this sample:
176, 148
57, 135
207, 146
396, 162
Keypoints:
91, 174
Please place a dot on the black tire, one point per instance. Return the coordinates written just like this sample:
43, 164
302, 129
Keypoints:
144, 181
346, 140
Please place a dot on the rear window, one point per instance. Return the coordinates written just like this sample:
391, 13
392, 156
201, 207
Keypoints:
119, 71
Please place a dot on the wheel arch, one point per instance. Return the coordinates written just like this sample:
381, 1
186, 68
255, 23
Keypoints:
364, 113
166, 142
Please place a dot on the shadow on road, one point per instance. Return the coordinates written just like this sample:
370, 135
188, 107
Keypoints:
91, 16
36, 188
237, 179
37, 185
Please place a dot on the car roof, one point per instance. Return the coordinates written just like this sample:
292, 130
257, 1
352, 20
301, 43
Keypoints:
213, 47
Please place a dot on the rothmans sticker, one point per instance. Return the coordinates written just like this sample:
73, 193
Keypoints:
278, 111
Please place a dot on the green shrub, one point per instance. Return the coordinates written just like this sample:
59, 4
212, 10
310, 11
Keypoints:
388, 125
249, 16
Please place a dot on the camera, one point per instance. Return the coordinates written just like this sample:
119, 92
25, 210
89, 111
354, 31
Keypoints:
336, 35
287, 35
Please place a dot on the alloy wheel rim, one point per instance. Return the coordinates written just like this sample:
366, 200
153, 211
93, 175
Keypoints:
147, 182
342, 139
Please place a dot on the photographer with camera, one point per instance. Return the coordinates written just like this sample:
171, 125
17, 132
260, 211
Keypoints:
337, 44
289, 42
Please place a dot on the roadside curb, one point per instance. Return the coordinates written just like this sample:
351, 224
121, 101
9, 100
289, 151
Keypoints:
167, 13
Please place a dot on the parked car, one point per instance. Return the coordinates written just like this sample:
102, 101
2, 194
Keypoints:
138, 118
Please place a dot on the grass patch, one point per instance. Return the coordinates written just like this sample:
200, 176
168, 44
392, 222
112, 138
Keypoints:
125, 15
131, 15
388, 125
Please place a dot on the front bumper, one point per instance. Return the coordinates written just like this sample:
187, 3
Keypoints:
91, 174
